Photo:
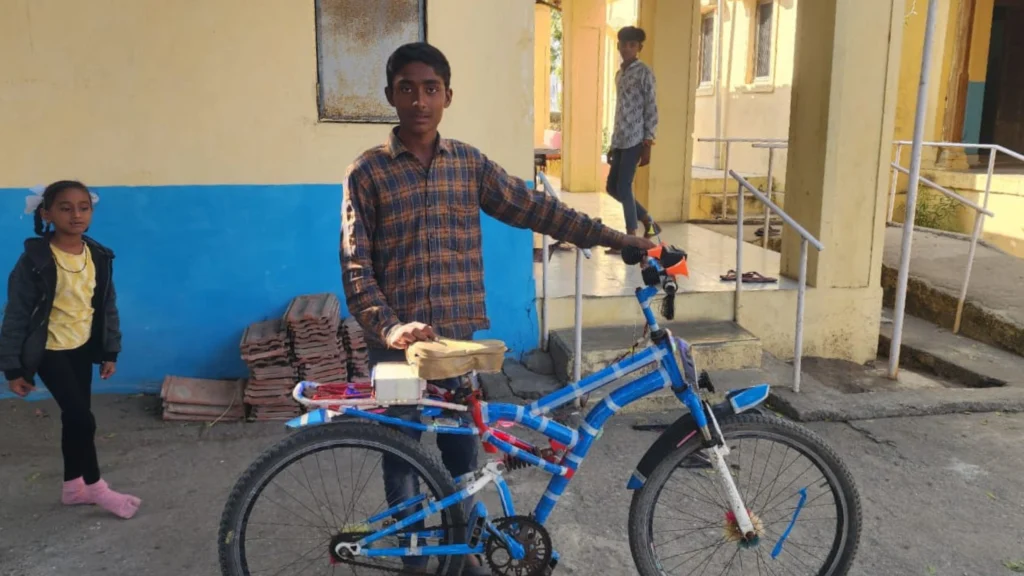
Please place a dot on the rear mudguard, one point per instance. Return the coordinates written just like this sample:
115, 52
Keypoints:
737, 401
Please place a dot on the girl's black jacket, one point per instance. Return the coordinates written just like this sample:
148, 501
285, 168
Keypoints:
30, 293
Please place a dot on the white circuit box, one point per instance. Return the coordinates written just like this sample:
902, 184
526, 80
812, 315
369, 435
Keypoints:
397, 382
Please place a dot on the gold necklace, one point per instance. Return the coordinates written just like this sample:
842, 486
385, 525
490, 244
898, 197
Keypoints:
85, 261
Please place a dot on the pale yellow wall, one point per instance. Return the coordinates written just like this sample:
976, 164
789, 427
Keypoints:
138, 92
583, 57
750, 109
541, 73
620, 13
910, 73
1006, 200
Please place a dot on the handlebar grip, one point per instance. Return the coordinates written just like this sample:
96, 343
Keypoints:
632, 255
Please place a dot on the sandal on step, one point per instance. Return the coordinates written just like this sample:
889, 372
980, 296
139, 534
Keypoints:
749, 277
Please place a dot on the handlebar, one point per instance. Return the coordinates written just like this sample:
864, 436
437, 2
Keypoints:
664, 264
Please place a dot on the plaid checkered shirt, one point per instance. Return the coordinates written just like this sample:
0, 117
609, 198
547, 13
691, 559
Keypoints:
410, 239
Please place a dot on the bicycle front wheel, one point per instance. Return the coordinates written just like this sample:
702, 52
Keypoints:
801, 498
325, 485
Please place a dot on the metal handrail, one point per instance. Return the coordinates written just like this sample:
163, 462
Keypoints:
967, 145
725, 164
946, 191
772, 147
979, 223
805, 239
577, 366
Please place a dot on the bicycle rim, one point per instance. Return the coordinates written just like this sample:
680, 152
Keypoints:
796, 489
295, 507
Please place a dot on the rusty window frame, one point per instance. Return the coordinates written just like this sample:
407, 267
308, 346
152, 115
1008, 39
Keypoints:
328, 112
764, 22
707, 46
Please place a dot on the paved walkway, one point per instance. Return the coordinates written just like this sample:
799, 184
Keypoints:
997, 279
941, 495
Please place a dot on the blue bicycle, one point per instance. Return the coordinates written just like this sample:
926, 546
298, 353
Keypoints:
724, 490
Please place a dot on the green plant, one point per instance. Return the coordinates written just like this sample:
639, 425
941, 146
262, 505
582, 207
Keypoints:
937, 212
556, 42
606, 141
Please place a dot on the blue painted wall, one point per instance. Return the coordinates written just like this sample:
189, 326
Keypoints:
196, 264
972, 114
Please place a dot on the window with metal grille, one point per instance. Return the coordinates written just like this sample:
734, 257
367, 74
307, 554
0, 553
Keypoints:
354, 39
763, 39
707, 46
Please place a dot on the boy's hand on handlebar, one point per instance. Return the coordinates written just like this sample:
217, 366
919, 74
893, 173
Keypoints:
637, 242
404, 335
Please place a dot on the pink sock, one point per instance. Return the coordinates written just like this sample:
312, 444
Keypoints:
73, 493
121, 505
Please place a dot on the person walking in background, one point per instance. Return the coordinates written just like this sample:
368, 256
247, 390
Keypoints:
636, 120
61, 319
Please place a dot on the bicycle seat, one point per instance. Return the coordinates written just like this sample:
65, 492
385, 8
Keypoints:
443, 358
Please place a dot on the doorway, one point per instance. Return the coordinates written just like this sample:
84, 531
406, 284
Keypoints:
1002, 119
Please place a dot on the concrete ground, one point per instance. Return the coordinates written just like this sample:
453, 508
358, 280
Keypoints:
940, 261
941, 495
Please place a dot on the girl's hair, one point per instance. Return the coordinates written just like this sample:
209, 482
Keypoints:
50, 195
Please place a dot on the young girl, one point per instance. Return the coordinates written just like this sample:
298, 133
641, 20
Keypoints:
61, 318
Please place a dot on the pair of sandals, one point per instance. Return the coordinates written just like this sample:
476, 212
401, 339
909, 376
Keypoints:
749, 277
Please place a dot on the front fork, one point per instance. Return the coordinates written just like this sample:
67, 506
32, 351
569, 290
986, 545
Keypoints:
718, 452
717, 449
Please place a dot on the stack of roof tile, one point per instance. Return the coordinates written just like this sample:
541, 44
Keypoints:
264, 348
313, 322
193, 399
355, 347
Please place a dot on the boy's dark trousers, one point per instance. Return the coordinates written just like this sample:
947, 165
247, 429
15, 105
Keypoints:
624, 163
458, 452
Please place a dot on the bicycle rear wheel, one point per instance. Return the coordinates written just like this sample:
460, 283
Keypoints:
801, 497
323, 485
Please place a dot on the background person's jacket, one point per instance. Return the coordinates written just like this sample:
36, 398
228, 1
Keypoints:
30, 294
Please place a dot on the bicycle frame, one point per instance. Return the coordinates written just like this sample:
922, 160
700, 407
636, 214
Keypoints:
667, 373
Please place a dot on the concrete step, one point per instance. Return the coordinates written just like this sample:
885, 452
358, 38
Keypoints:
938, 306
969, 363
716, 346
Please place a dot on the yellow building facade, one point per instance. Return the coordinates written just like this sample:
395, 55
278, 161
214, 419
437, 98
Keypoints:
197, 124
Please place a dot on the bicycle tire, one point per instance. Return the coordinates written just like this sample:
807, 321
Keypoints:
844, 548
312, 439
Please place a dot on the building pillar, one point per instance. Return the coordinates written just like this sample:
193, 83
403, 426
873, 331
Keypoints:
840, 142
583, 23
671, 52
541, 72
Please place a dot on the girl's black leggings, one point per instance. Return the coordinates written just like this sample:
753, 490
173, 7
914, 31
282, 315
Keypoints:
68, 376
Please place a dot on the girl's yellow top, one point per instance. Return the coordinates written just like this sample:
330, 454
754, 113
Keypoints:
71, 318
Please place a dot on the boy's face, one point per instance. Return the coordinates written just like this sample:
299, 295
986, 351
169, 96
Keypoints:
420, 97
629, 50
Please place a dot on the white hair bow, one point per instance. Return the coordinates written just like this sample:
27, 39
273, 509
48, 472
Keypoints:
33, 200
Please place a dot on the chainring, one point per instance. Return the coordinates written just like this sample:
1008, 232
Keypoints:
531, 535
